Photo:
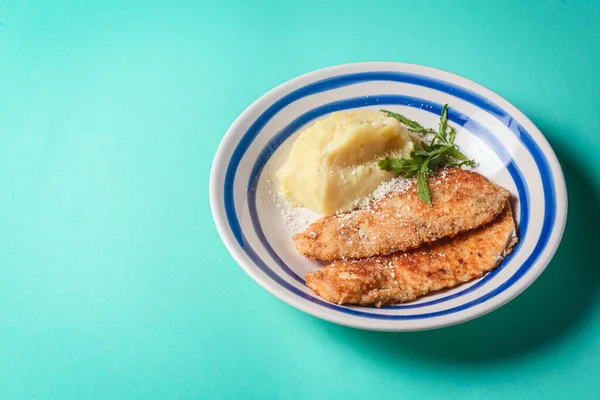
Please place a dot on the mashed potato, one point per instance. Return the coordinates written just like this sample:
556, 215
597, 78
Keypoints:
333, 164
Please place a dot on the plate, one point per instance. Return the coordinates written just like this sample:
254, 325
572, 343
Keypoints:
256, 225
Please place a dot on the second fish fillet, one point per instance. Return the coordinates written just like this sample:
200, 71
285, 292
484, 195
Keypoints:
402, 277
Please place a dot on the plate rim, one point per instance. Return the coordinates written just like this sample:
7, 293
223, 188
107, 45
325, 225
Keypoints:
230, 243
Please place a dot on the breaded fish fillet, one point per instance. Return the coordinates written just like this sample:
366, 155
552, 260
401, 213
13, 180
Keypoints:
402, 277
460, 200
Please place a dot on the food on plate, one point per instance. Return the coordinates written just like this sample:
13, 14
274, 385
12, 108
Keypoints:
400, 219
430, 155
333, 164
403, 277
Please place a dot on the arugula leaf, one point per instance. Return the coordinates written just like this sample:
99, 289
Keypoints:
408, 167
423, 190
412, 126
452, 135
441, 133
454, 153
428, 157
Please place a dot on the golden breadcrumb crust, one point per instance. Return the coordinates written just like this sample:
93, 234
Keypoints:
403, 277
460, 200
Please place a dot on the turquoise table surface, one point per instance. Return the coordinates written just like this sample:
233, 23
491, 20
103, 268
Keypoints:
114, 282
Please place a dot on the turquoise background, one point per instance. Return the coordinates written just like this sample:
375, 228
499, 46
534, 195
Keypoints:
114, 282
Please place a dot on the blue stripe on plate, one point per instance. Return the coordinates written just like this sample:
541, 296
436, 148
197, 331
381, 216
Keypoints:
454, 90
460, 119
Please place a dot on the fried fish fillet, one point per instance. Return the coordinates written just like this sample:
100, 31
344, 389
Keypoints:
460, 200
402, 277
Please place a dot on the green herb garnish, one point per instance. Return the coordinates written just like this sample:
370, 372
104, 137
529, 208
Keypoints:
412, 126
440, 152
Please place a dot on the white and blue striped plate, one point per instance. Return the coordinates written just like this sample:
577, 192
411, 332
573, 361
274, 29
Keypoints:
508, 147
